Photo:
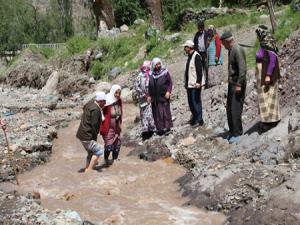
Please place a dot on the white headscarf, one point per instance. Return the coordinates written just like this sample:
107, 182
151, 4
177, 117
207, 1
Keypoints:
157, 74
110, 97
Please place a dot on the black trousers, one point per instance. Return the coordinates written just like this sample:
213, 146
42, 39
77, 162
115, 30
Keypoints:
195, 104
205, 67
234, 109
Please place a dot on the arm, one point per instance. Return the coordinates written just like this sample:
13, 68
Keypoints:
272, 63
137, 87
198, 64
196, 42
95, 123
240, 59
218, 47
170, 83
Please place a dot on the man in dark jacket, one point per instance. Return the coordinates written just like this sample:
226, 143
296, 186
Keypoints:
237, 71
89, 129
194, 80
201, 45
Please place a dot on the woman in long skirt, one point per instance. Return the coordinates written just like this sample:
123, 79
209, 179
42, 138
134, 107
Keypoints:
267, 74
160, 89
141, 86
111, 127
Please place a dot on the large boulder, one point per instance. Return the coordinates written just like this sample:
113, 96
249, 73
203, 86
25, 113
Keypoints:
51, 86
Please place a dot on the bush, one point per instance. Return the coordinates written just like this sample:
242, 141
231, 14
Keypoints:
126, 11
77, 44
287, 24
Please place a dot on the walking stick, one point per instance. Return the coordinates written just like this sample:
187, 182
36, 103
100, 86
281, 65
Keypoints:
10, 154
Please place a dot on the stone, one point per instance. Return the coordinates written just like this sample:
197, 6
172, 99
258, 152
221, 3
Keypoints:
264, 17
116, 71
92, 80
51, 86
139, 22
124, 28
126, 95
103, 86
173, 37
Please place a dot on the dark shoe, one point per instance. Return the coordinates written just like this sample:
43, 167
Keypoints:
198, 123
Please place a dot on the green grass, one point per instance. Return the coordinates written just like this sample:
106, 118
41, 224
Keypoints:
287, 25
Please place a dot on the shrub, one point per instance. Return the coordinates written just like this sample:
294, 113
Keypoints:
77, 44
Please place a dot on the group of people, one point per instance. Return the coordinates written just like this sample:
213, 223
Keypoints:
203, 69
103, 114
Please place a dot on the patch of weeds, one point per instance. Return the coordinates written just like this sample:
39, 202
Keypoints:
78, 44
287, 25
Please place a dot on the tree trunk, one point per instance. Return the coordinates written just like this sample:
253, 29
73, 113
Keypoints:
272, 15
103, 10
155, 8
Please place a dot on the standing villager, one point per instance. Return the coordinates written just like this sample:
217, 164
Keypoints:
89, 129
201, 45
194, 80
237, 81
160, 88
215, 60
141, 86
111, 127
267, 74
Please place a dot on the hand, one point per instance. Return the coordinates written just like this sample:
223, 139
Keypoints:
167, 95
197, 85
267, 80
149, 99
2, 124
238, 89
217, 60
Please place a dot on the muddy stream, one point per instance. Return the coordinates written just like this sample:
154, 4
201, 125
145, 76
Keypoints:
131, 191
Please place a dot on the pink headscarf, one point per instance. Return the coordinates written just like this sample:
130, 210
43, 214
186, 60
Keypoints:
145, 69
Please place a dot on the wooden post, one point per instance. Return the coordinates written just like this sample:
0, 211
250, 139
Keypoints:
10, 155
272, 16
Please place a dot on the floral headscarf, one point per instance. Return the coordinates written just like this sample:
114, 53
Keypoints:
266, 39
145, 69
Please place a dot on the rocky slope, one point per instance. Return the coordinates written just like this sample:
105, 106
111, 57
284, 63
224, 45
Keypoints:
254, 181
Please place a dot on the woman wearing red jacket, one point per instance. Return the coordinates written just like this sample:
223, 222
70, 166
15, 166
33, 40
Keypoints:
215, 61
111, 126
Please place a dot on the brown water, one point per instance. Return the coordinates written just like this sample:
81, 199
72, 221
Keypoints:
130, 192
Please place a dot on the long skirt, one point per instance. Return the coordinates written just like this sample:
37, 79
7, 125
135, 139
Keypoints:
147, 121
162, 115
268, 99
215, 75
112, 140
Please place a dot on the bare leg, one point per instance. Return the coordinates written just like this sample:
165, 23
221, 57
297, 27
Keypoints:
93, 163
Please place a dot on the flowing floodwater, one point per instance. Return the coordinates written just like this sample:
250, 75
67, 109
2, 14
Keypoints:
130, 192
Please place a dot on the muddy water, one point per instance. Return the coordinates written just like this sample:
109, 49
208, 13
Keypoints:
131, 191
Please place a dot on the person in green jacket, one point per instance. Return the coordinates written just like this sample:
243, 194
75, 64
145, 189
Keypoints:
237, 71
89, 128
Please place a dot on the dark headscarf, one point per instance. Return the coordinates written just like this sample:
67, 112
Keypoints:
266, 39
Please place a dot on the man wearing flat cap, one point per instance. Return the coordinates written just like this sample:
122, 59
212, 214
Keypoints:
194, 80
237, 71
89, 128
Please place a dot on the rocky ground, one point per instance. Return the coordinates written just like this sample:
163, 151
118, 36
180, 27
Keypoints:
254, 181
